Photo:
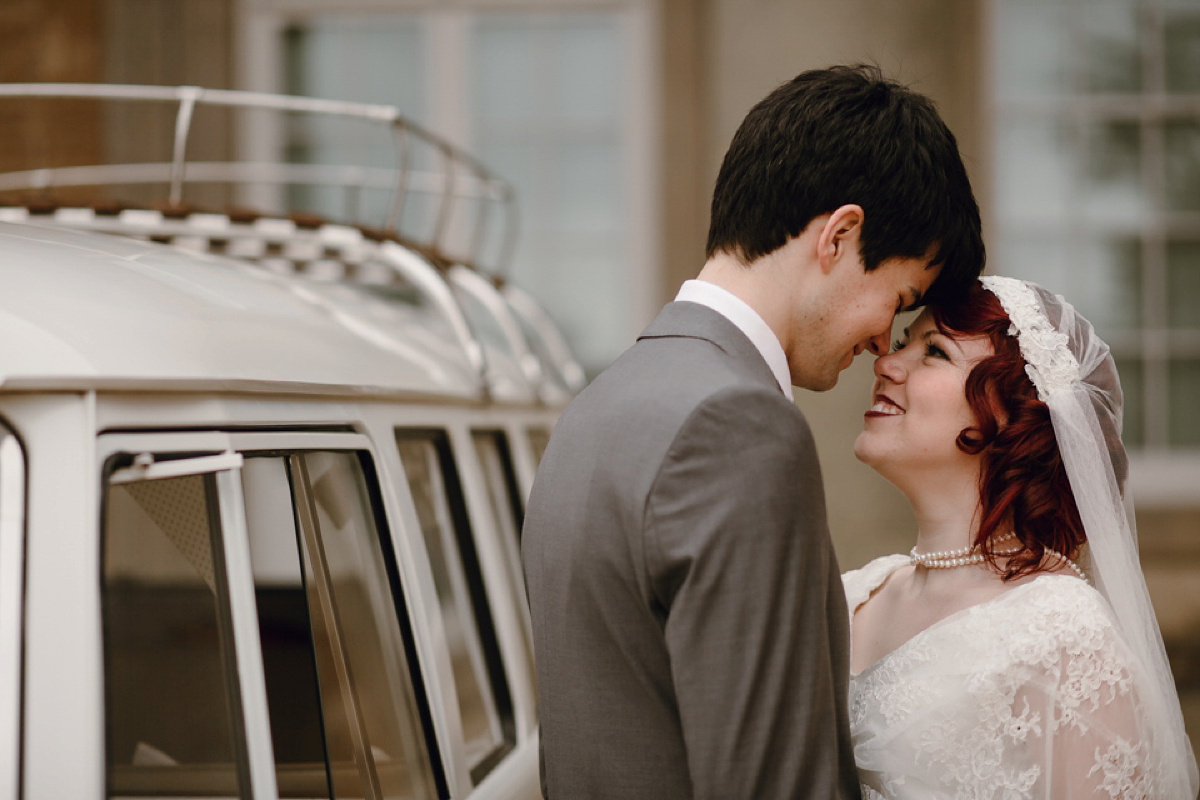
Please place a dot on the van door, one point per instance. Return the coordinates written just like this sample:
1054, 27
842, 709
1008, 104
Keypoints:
180, 667
330, 663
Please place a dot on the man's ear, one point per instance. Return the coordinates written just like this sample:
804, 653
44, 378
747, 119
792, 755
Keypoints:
839, 237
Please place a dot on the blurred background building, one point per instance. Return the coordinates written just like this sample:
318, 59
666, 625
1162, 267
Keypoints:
1079, 121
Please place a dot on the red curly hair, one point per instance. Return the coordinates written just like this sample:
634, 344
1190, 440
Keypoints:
1023, 482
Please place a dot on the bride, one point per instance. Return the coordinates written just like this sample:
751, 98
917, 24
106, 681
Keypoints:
989, 663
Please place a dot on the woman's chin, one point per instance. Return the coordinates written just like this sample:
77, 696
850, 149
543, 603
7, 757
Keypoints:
864, 452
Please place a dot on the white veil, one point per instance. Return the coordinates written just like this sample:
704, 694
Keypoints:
1075, 376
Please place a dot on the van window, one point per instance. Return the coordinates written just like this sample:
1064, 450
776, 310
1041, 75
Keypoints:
484, 702
334, 650
492, 450
285, 631
538, 439
171, 695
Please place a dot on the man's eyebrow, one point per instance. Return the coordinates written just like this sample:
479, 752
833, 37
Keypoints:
918, 296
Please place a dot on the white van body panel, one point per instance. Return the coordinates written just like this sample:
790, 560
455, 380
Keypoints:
149, 316
64, 709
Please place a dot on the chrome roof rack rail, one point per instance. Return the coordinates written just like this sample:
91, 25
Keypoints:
481, 184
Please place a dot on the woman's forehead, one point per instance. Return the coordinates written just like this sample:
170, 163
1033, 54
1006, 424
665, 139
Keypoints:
973, 346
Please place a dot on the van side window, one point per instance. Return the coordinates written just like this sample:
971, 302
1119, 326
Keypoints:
333, 645
173, 716
538, 439
492, 449
484, 702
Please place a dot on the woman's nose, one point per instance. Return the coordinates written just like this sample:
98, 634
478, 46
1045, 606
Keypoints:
890, 366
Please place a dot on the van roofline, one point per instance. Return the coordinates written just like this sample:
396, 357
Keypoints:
208, 386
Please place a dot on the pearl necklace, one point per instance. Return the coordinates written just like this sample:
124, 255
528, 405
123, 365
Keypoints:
964, 557
1069, 563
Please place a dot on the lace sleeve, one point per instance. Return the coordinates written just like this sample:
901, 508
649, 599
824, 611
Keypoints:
1097, 739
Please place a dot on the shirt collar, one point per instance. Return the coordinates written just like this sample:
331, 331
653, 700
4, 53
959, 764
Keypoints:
747, 320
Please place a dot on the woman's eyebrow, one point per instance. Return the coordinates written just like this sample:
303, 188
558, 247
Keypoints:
954, 342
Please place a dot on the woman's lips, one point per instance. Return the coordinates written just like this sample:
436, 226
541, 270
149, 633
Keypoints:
884, 407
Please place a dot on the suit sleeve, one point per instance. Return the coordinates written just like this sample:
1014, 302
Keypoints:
740, 563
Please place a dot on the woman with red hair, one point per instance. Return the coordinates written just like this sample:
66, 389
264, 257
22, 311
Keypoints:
1013, 653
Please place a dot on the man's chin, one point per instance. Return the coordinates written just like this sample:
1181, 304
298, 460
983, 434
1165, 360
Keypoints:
817, 383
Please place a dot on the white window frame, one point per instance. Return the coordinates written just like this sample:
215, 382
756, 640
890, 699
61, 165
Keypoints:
12, 608
259, 23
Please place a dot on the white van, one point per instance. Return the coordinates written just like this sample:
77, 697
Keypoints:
261, 487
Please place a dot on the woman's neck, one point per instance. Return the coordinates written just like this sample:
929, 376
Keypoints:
946, 507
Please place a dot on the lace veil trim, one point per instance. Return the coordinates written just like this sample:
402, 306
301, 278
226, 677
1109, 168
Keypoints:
1048, 361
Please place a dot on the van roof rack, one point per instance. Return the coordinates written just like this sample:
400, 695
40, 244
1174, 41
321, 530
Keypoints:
459, 176
300, 243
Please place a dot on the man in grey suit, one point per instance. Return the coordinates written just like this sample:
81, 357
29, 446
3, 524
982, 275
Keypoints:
690, 629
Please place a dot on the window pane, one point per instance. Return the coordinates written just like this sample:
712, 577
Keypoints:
1185, 388
358, 631
1111, 60
1112, 190
548, 113
170, 684
493, 452
368, 58
484, 703
1044, 259
285, 631
508, 78
1033, 170
1106, 284
1100, 277
592, 69
1183, 166
1183, 285
591, 188
1133, 383
1032, 56
1181, 40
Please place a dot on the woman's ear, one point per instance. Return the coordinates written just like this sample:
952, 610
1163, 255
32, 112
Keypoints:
839, 237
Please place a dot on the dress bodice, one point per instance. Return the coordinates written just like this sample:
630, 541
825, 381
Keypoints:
1032, 694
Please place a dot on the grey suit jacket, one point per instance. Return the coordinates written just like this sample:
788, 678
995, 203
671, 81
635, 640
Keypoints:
690, 629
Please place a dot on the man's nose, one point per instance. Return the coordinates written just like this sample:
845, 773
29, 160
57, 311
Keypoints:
879, 344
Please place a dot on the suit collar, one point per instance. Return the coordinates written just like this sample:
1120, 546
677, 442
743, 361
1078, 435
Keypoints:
695, 321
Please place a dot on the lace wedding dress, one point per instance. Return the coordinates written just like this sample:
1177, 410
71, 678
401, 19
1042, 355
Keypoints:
1033, 694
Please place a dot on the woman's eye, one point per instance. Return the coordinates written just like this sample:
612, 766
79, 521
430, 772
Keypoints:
933, 351
897, 346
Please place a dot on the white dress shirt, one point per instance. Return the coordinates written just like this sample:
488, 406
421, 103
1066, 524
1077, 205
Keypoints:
747, 321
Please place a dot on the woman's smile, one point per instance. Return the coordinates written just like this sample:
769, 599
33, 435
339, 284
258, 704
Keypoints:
884, 407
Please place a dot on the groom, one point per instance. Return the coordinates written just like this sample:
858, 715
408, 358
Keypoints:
690, 628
